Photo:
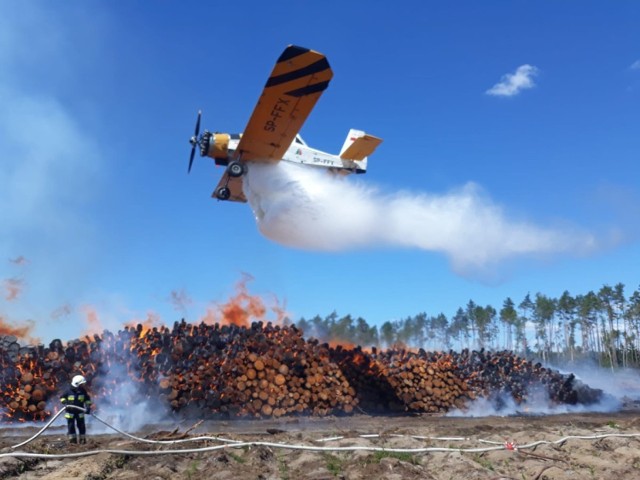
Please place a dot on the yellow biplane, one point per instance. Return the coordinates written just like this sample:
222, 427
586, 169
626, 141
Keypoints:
271, 135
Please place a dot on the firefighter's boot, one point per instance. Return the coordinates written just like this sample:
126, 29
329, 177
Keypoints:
73, 439
83, 439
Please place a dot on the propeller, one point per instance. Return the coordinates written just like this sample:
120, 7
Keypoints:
194, 141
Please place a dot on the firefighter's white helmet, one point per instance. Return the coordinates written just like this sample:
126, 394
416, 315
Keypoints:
78, 380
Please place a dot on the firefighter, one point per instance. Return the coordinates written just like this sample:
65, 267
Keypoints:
76, 396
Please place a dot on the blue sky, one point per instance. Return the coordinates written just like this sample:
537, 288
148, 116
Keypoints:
537, 104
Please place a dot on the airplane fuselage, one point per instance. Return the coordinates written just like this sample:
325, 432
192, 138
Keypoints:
223, 149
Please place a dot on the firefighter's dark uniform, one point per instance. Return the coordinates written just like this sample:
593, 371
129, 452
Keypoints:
76, 396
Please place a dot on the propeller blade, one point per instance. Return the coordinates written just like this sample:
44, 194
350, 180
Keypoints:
198, 124
193, 151
194, 141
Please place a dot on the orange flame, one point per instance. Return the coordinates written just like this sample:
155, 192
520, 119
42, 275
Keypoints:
242, 308
152, 320
335, 342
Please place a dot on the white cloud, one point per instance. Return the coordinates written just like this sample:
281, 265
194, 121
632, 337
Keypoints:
513, 83
635, 65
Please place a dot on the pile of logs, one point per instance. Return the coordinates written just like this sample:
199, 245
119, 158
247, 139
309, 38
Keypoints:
264, 370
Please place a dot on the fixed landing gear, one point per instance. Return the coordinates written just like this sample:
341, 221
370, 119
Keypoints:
223, 193
235, 169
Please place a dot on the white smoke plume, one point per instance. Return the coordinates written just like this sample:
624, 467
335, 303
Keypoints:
127, 407
623, 384
309, 208
620, 390
538, 403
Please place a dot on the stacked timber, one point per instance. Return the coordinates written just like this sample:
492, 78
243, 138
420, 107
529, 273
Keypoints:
263, 370
374, 392
425, 382
503, 374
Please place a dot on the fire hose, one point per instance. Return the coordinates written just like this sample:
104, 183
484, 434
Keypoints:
133, 437
229, 443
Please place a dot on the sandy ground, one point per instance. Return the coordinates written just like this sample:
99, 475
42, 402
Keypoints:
609, 457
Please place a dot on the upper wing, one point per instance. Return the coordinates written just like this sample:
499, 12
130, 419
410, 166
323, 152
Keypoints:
235, 186
296, 82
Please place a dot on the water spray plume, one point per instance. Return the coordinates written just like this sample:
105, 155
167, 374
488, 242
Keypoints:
309, 208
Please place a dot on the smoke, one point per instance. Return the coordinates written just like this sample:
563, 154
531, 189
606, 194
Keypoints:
13, 288
309, 208
19, 260
537, 402
93, 325
620, 388
622, 384
61, 311
180, 300
21, 330
126, 406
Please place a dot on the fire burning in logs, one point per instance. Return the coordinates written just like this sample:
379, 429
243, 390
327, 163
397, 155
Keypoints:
263, 370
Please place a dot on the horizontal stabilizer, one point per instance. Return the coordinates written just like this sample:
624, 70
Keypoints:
359, 145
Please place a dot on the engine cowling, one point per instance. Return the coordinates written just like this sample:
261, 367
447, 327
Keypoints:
215, 145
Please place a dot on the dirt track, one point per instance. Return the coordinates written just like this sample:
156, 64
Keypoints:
605, 458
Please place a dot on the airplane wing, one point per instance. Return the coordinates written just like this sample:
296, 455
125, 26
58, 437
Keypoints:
235, 187
296, 82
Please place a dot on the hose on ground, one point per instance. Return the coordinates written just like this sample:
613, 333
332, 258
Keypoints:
229, 443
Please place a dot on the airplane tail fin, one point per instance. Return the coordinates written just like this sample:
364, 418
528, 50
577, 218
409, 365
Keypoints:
358, 146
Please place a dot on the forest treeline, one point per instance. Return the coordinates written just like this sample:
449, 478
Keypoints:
602, 325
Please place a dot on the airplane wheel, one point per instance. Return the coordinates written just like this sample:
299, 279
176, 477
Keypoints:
223, 193
235, 169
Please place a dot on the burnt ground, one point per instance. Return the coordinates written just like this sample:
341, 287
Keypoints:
604, 458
